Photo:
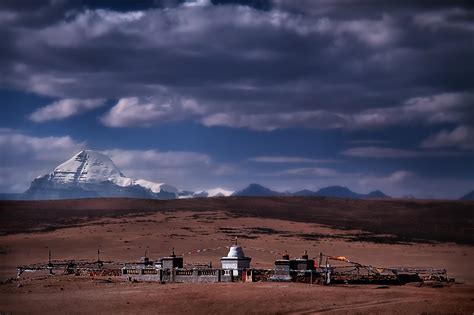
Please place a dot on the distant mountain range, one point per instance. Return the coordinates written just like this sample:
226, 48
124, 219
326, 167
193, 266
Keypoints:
91, 174
331, 191
340, 192
256, 190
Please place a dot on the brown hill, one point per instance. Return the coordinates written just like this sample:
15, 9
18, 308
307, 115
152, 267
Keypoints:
408, 220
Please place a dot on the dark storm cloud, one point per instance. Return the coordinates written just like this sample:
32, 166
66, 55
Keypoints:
256, 4
263, 65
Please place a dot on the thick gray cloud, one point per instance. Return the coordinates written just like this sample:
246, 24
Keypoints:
322, 64
461, 137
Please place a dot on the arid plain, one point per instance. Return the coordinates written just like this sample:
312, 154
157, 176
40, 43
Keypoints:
383, 233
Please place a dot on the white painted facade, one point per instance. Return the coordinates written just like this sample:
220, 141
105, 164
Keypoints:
235, 260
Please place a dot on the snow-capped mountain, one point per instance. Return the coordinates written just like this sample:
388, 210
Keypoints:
219, 192
93, 174
215, 192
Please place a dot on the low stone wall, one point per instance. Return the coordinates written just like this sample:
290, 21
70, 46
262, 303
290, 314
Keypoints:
175, 275
142, 274
145, 278
197, 276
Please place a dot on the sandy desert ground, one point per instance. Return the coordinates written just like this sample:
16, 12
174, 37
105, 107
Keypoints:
201, 235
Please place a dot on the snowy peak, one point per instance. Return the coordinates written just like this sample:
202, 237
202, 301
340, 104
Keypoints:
93, 174
88, 166
219, 192
215, 192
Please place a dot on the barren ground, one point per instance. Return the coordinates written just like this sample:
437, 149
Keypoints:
63, 295
76, 231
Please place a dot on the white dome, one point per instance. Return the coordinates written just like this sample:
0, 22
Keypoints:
236, 252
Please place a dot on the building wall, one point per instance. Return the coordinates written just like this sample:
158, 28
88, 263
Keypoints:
227, 277
282, 271
230, 264
235, 264
141, 274
171, 262
197, 276
243, 264
176, 275
304, 264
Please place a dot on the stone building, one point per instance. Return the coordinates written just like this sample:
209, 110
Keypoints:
287, 269
171, 262
235, 261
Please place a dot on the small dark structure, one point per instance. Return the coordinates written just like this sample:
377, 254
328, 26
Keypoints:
299, 269
171, 261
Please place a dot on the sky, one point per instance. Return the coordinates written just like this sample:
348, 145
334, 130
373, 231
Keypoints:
202, 94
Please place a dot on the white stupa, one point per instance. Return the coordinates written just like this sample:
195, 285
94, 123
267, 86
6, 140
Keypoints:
235, 260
